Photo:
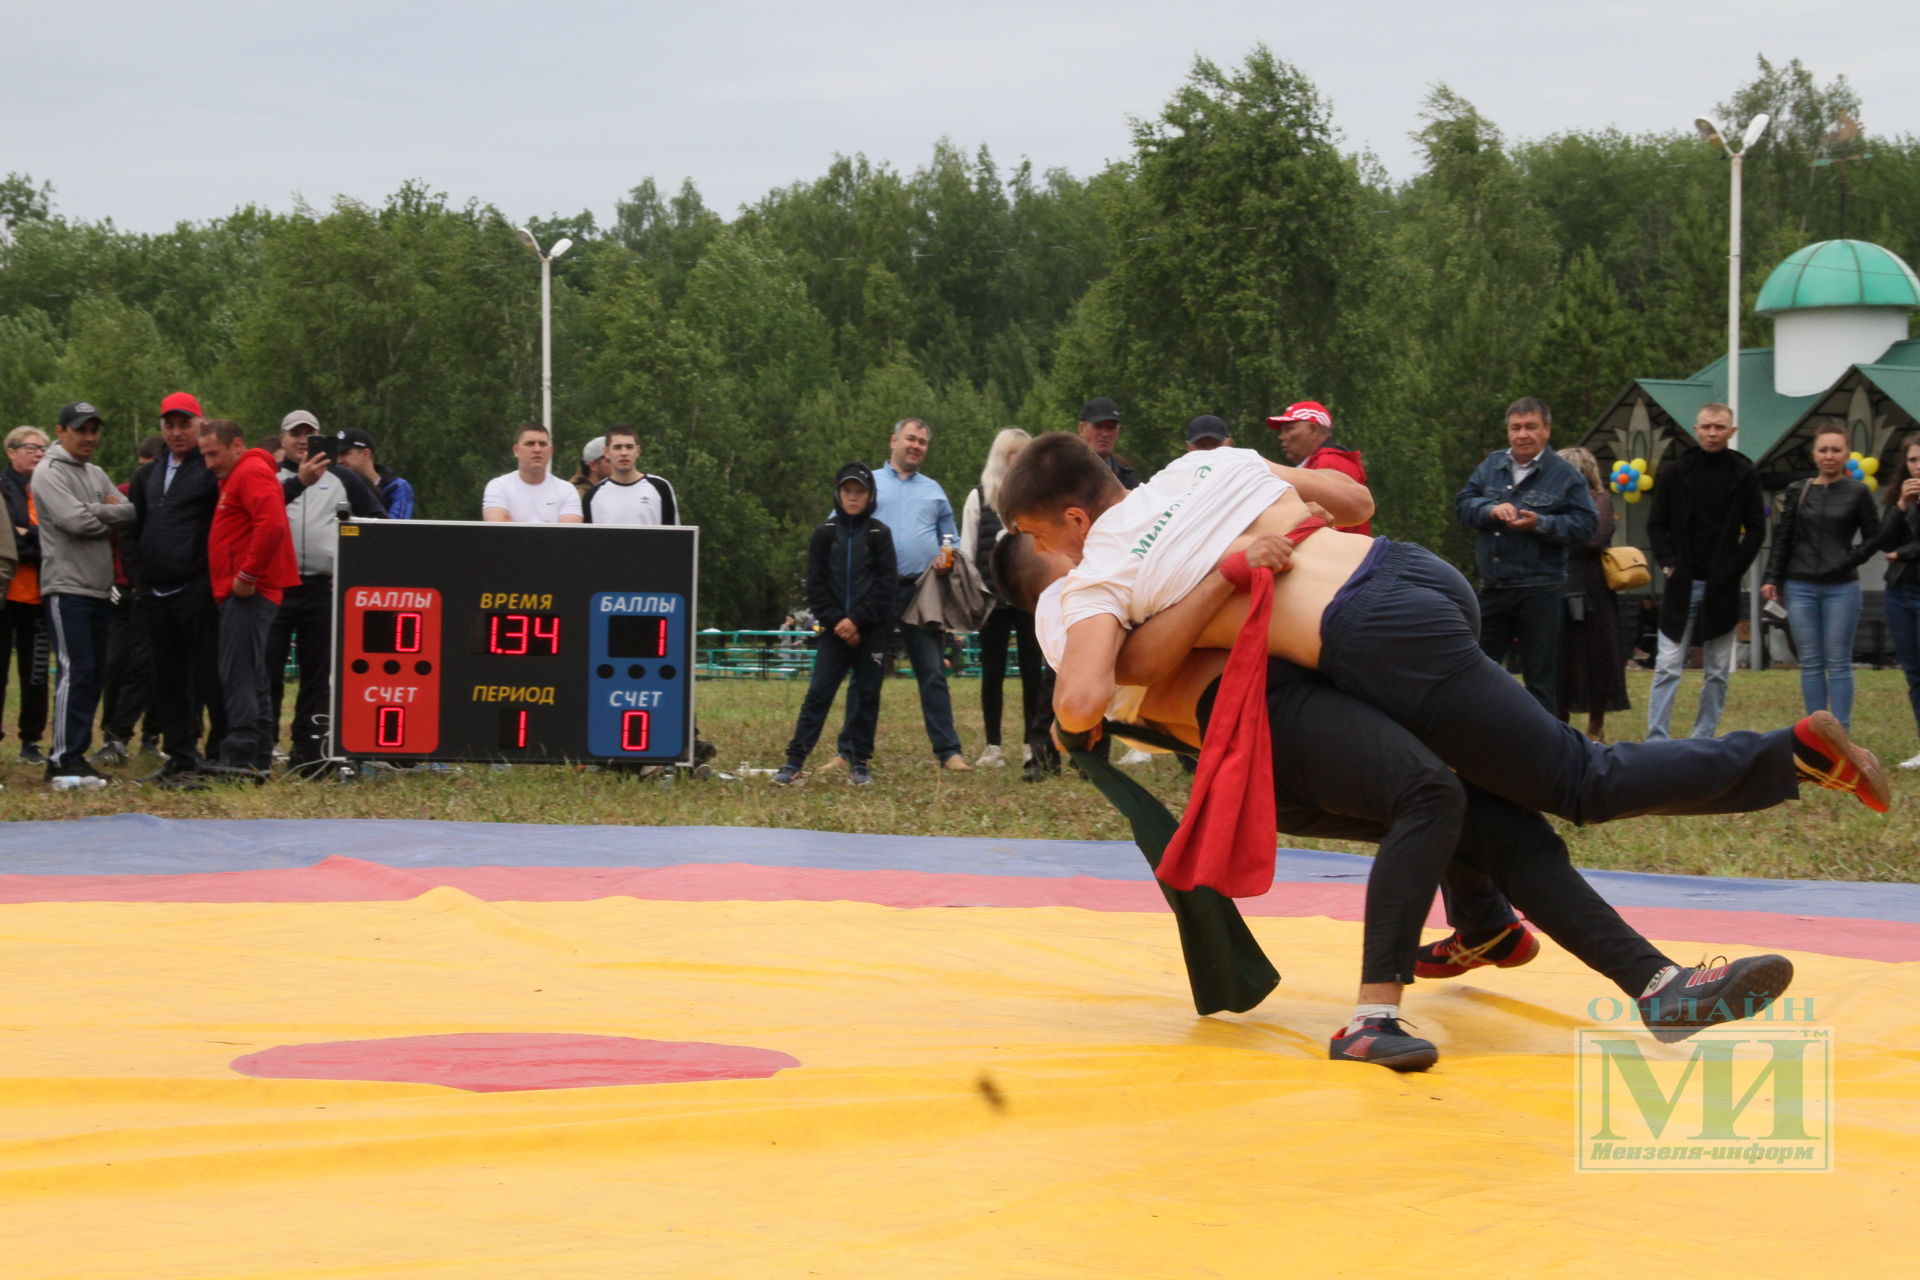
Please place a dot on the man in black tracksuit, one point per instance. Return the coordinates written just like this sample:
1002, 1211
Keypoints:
851, 572
166, 560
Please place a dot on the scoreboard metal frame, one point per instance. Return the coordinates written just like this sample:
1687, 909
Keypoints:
469, 640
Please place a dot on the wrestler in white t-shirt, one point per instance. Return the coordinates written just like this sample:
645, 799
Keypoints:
1154, 546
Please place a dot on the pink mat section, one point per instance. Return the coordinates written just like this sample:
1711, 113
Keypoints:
504, 1061
341, 879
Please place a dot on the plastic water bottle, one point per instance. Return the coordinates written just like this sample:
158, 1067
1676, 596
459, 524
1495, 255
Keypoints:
947, 542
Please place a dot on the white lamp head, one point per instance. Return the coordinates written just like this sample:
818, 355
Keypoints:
1710, 131
1755, 127
564, 245
526, 238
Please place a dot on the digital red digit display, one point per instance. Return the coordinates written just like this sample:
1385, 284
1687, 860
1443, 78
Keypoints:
390, 631
519, 635
639, 636
634, 730
513, 729
390, 727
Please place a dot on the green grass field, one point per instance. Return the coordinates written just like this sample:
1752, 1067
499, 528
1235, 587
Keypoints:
1823, 836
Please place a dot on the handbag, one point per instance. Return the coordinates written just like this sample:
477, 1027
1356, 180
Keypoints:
1626, 568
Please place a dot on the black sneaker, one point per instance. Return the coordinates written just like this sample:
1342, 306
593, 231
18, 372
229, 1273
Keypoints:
30, 753
859, 775
76, 777
1679, 1002
220, 771
785, 775
1381, 1041
112, 753
172, 767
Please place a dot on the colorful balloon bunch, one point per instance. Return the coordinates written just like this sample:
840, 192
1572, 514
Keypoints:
1631, 479
1864, 469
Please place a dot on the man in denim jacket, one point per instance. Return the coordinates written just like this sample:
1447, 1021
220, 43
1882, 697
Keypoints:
1526, 507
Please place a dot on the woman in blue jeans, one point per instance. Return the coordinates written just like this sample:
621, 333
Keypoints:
1900, 539
1827, 529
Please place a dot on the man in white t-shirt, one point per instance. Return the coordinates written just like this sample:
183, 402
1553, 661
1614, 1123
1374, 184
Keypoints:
530, 494
629, 495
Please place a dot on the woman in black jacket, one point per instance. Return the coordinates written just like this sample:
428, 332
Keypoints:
1593, 665
1900, 539
1817, 558
851, 574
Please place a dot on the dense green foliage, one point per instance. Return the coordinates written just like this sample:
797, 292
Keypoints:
1239, 260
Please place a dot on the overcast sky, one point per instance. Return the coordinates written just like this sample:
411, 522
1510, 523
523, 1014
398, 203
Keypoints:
151, 114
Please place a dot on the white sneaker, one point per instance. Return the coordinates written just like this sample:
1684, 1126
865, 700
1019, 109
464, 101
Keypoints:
991, 758
1133, 757
1911, 764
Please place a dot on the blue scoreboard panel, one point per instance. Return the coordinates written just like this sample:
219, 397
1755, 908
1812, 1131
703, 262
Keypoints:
470, 640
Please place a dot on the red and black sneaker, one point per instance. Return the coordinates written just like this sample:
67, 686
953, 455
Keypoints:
1679, 1002
1380, 1040
1825, 755
1453, 955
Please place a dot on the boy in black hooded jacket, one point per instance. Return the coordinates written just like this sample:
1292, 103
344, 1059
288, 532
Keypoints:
851, 577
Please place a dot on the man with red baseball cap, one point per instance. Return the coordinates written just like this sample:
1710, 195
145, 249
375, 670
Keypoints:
174, 497
1304, 430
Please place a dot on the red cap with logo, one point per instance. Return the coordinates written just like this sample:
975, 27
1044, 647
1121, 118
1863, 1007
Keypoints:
181, 402
1304, 411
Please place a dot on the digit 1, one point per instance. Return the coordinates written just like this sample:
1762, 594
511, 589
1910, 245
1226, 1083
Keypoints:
520, 730
660, 640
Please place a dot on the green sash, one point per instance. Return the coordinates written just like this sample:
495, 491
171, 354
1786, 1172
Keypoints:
1225, 967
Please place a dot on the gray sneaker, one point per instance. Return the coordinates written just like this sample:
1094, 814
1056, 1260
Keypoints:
859, 775
30, 753
785, 775
112, 753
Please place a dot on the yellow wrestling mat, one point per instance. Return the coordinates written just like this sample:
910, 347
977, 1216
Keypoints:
982, 1092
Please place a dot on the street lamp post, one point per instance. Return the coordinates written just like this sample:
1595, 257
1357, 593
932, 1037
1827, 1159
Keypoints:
546, 317
1711, 132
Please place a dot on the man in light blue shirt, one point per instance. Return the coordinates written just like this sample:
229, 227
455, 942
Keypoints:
919, 514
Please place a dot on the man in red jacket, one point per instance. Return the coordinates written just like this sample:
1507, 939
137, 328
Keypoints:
1305, 431
250, 562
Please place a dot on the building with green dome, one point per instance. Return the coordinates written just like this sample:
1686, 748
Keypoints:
1841, 312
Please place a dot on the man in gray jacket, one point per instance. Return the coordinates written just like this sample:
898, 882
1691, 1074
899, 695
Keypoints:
316, 484
79, 509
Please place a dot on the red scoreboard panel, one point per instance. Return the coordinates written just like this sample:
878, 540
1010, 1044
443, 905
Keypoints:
469, 640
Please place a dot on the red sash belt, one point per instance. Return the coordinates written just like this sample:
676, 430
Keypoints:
1226, 839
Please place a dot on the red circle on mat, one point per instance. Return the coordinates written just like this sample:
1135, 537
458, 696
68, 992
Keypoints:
496, 1062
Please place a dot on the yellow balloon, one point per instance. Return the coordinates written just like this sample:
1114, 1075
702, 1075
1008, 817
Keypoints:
1633, 495
1870, 465
1646, 480
1638, 464
1871, 484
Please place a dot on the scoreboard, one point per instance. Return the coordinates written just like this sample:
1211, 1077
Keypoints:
477, 640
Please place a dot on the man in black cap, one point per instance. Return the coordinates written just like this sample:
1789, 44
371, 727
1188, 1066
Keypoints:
79, 511
1100, 427
1208, 432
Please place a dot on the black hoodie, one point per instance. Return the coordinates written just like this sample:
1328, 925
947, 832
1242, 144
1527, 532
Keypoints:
851, 569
